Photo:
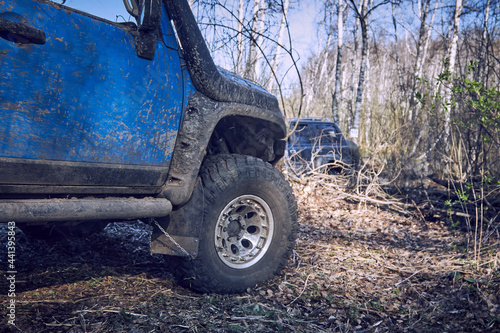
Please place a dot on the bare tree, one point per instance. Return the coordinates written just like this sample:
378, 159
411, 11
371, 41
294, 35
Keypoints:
241, 47
483, 51
281, 36
422, 47
338, 67
396, 49
252, 49
362, 12
260, 32
451, 57
318, 68
355, 65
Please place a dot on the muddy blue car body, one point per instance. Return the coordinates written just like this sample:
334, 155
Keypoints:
84, 96
103, 121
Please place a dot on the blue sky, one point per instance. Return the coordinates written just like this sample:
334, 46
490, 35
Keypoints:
303, 29
301, 20
108, 9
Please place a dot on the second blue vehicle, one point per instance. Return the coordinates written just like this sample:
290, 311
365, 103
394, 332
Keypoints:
318, 145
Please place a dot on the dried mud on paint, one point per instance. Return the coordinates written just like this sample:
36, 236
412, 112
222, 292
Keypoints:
356, 268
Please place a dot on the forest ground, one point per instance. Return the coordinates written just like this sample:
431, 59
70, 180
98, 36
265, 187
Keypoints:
357, 267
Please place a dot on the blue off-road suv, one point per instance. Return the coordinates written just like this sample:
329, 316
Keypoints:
103, 121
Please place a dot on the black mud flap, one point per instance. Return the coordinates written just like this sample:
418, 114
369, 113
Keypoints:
163, 242
179, 233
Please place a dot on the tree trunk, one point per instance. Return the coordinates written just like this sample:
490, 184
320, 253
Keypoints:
423, 11
260, 32
354, 70
363, 20
316, 84
338, 67
451, 56
252, 48
367, 98
281, 34
422, 47
396, 51
483, 51
322, 83
241, 47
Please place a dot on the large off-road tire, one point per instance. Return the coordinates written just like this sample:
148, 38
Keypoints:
249, 225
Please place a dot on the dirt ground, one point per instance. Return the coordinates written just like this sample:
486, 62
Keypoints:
356, 268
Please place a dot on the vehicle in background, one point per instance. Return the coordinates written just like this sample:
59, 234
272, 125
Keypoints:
318, 145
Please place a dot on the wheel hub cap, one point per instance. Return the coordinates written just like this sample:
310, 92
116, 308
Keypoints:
244, 231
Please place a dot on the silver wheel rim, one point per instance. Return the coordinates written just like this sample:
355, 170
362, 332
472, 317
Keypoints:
244, 231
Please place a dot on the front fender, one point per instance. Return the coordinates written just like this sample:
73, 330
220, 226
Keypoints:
201, 117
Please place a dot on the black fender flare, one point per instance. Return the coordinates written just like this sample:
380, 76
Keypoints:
200, 119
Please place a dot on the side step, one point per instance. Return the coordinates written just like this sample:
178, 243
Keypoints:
62, 210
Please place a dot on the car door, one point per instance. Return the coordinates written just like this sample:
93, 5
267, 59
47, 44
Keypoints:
78, 107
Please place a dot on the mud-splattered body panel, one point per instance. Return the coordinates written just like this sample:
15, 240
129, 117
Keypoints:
85, 96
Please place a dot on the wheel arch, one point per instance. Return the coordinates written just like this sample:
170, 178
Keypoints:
210, 127
247, 135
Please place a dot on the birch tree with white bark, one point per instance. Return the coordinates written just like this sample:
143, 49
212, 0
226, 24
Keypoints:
336, 97
362, 11
451, 57
285, 5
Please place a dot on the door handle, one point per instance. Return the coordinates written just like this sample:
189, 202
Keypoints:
20, 33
